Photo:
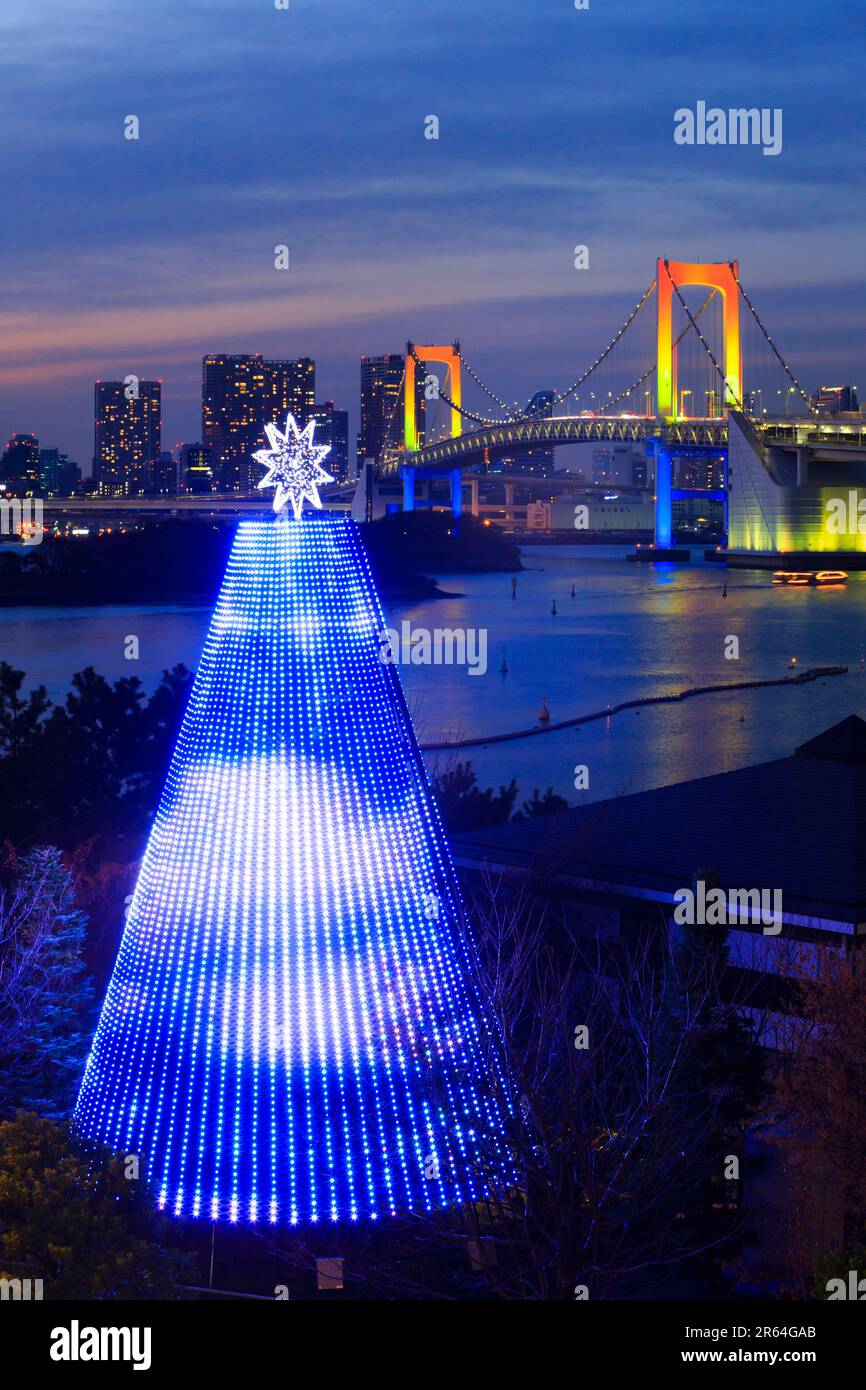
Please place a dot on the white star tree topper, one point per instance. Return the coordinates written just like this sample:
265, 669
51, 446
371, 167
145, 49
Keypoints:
294, 465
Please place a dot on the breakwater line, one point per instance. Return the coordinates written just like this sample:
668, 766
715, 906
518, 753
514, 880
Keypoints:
481, 741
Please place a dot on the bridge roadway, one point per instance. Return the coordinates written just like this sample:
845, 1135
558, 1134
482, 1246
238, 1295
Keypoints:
465, 450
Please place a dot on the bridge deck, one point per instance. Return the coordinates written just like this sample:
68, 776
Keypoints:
465, 449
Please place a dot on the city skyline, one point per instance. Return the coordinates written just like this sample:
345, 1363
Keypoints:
164, 255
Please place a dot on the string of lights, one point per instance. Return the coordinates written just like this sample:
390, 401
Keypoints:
513, 416
442, 394
562, 396
776, 351
292, 1032
510, 415
650, 370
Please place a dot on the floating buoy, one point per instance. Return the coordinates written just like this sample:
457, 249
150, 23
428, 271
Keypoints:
553, 609
572, 591
514, 586
544, 712
725, 592
504, 667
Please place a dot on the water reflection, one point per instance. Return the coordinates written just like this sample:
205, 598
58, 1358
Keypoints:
630, 630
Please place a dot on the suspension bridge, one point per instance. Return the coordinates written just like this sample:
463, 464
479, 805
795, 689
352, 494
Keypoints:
777, 465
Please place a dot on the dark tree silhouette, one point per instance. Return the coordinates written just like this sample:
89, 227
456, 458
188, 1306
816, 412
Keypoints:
46, 998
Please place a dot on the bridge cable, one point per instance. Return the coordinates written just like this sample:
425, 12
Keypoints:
523, 416
776, 351
442, 395
487, 391
648, 373
563, 395
519, 416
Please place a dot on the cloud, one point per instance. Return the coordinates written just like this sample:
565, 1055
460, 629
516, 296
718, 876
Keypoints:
305, 127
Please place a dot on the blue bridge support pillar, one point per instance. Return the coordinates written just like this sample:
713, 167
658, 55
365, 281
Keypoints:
456, 491
408, 489
663, 527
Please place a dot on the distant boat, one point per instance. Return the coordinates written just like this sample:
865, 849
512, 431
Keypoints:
553, 609
544, 712
802, 579
572, 591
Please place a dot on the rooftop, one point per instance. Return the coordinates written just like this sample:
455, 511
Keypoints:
797, 823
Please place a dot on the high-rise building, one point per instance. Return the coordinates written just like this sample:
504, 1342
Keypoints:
195, 465
58, 474
232, 406
128, 430
382, 404
332, 428
241, 394
290, 389
19, 466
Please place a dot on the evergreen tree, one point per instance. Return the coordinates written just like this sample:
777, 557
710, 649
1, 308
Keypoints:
87, 1227
90, 767
538, 805
20, 739
46, 998
464, 806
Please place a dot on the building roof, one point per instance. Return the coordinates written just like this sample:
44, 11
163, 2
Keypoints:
797, 824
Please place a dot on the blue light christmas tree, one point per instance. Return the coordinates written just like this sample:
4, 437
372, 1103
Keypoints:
291, 1033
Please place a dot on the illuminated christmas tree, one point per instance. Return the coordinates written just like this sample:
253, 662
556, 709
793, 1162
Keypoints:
292, 1032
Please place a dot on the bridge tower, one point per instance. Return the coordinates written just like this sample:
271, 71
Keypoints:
448, 357
721, 276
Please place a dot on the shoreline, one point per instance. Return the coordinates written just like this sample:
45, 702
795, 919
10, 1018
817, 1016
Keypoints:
802, 678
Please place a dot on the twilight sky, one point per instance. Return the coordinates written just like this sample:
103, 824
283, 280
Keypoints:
306, 127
